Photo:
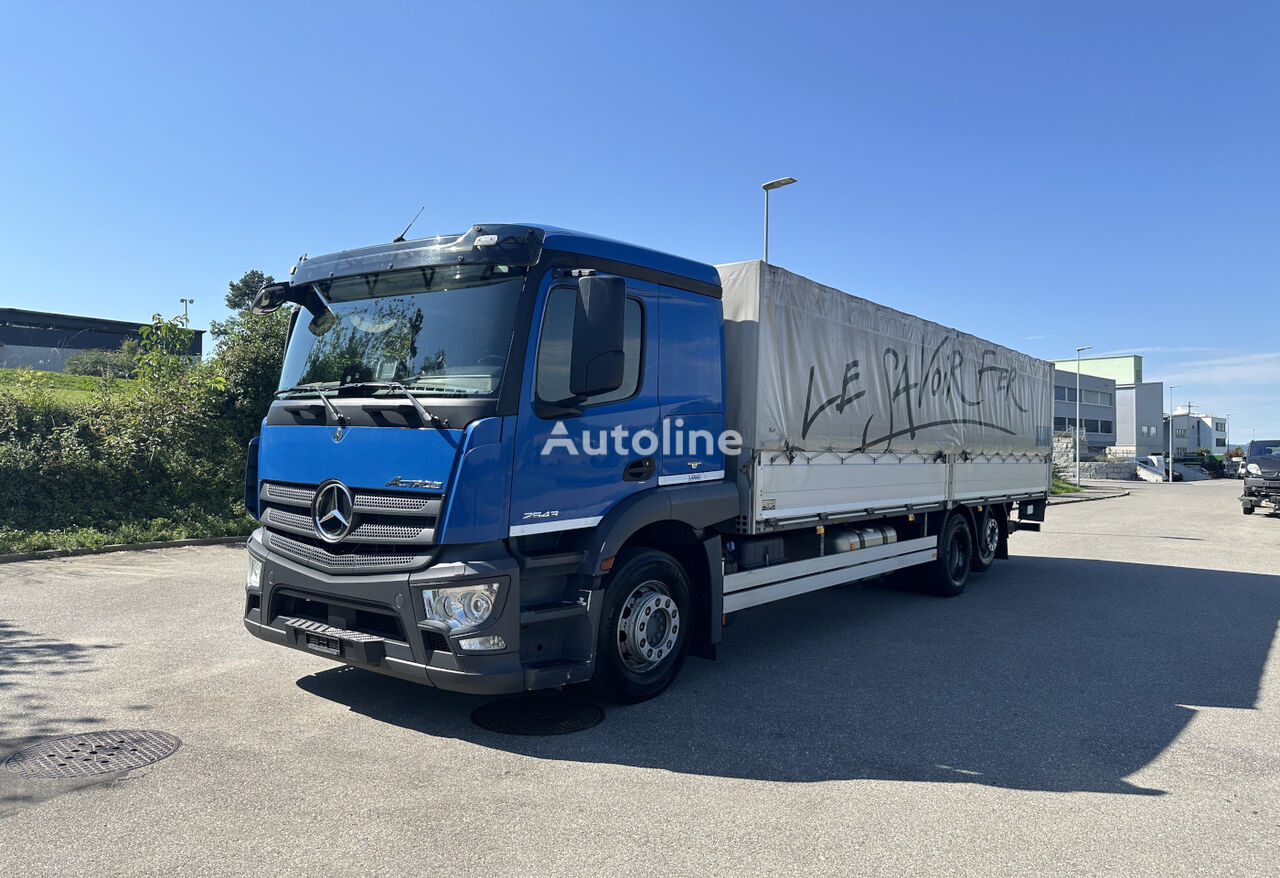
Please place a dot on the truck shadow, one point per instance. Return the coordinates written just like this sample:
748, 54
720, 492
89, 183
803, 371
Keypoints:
1048, 674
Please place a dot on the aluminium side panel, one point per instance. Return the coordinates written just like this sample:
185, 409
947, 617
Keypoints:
807, 487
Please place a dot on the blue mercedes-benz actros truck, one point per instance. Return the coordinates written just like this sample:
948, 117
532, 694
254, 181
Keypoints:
524, 457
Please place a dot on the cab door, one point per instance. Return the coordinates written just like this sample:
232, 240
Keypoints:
571, 469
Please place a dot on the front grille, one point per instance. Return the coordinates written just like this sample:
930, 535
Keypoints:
392, 528
287, 520
366, 531
287, 493
397, 532
392, 502
404, 503
346, 559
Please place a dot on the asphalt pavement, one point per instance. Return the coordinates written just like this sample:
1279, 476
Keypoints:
1106, 702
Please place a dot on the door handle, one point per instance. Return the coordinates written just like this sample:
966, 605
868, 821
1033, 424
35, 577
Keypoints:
639, 470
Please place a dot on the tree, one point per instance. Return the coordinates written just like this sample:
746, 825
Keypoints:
250, 349
240, 293
249, 352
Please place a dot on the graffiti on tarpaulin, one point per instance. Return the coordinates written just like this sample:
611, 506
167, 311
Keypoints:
911, 387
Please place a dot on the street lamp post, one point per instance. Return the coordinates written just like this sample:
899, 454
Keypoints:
769, 187
1076, 435
1168, 464
185, 303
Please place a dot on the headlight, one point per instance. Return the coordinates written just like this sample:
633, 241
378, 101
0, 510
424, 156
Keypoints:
1255, 469
253, 579
463, 607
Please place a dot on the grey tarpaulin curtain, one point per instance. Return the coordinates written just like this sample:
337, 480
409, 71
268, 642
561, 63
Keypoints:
811, 368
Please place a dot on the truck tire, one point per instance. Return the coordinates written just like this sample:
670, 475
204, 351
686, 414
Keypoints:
986, 541
949, 573
1246, 508
647, 594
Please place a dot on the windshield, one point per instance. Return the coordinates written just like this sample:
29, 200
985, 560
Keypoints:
438, 330
1265, 448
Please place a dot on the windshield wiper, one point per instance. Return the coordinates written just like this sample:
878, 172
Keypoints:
426, 416
338, 416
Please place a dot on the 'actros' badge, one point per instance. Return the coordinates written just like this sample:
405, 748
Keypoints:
399, 482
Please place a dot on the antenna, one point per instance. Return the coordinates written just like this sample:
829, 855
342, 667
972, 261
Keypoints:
399, 239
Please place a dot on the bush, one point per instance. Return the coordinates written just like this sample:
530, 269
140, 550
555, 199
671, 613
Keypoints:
135, 451
103, 364
191, 523
86, 461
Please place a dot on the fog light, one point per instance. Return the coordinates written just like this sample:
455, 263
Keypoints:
491, 641
253, 579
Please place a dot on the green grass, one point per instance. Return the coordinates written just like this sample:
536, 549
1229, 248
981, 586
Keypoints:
186, 525
1061, 486
66, 388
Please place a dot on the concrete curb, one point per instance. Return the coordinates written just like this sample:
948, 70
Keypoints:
1061, 499
120, 547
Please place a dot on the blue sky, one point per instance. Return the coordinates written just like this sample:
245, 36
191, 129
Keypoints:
1043, 175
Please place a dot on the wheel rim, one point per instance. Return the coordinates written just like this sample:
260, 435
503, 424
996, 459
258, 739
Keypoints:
990, 537
958, 557
648, 626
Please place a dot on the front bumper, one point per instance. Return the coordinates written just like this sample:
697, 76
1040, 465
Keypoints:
377, 622
1261, 491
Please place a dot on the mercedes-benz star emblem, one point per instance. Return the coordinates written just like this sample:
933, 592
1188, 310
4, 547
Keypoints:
332, 511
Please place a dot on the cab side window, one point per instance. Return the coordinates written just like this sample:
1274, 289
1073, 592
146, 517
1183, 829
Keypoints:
557, 336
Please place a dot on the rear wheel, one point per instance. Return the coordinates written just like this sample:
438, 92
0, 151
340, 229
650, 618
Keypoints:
986, 541
950, 572
643, 628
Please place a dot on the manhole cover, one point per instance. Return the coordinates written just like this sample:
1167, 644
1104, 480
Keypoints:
92, 753
538, 715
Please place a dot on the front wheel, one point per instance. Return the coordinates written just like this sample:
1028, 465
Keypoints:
1246, 508
643, 628
949, 573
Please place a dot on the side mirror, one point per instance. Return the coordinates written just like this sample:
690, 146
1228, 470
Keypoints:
272, 297
596, 358
322, 322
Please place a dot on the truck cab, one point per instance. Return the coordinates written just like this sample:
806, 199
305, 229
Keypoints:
463, 480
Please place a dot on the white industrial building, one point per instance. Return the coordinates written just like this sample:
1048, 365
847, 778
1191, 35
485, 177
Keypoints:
1192, 430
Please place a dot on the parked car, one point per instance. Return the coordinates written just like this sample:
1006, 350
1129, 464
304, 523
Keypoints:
1262, 476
